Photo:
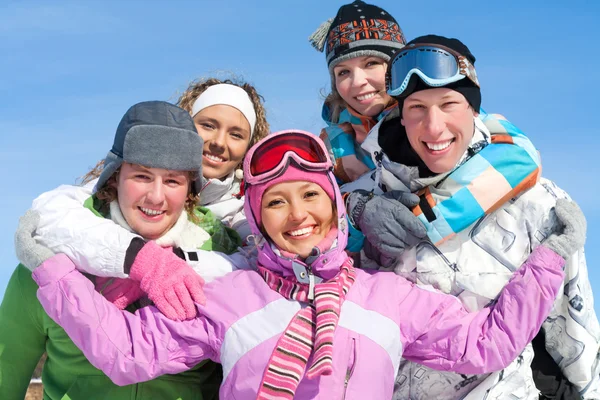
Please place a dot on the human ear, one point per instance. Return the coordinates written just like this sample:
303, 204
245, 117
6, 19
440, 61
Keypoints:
113, 181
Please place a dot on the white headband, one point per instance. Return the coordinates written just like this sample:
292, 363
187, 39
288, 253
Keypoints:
229, 95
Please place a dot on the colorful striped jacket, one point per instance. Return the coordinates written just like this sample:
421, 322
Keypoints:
343, 139
501, 162
474, 263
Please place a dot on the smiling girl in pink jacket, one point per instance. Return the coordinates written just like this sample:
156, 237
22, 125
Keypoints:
306, 324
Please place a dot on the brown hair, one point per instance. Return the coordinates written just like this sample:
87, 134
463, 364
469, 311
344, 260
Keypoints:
196, 88
108, 192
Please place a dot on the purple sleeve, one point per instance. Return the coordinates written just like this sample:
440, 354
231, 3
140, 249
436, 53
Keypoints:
447, 337
127, 347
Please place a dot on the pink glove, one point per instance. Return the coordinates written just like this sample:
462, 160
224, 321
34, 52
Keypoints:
169, 282
121, 292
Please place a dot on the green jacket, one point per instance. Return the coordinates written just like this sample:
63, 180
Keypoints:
26, 332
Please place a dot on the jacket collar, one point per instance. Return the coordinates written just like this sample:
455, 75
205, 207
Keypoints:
183, 234
215, 190
409, 175
361, 124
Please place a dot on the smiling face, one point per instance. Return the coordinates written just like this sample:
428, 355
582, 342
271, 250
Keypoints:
360, 81
151, 199
226, 135
296, 215
439, 126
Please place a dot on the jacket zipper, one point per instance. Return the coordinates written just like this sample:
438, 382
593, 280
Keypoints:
311, 284
350, 368
439, 253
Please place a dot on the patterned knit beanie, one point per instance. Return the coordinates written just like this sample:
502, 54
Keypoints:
359, 29
255, 193
464, 86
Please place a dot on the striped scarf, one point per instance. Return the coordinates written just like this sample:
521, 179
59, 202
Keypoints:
310, 332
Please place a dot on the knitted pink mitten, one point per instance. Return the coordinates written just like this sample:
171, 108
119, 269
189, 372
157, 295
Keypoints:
121, 292
169, 282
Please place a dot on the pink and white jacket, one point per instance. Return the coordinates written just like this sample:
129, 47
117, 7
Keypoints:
383, 318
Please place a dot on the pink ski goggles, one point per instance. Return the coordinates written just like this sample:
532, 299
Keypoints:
268, 158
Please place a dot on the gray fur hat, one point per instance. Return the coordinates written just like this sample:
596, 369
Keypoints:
155, 134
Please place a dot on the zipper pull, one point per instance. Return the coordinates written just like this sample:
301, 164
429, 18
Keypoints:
378, 158
311, 287
304, 275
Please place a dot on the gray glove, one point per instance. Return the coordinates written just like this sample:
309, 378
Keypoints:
29, 252
374, 254
571, 236
386, 221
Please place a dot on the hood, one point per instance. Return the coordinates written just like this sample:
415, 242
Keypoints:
323, 262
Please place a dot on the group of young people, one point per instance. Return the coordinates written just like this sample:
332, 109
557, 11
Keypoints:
410, 251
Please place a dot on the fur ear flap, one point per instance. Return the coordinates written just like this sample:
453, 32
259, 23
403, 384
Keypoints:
317, 39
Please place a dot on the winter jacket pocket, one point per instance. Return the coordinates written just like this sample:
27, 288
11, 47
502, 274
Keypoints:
503, 236
171, 389
96, 388
100, 388
435, 269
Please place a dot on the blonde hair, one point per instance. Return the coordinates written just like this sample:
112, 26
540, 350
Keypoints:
337, 104
196, 88
108, 192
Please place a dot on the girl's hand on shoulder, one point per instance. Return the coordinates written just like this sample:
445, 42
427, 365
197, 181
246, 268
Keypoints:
29, 252
570, 236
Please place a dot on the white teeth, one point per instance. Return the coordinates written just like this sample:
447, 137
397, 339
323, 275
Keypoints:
365, 97
299, 232
151, 212
214, 158
439, 146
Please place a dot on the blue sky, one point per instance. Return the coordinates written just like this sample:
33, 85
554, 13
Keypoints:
70, 69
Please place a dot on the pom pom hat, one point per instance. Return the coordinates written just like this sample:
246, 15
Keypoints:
359, 29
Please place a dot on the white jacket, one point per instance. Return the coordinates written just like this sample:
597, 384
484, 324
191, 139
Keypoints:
474, 266
98, 245
222, 198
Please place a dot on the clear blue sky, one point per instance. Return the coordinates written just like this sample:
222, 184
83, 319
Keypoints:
70, 69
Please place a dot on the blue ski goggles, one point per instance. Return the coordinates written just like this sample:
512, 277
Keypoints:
436, 65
